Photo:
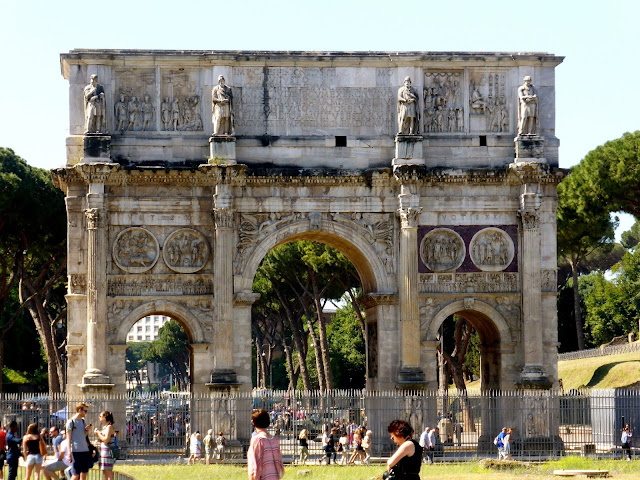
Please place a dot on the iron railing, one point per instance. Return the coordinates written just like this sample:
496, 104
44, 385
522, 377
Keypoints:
547, 423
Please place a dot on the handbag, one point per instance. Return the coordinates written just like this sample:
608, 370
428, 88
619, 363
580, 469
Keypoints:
93, 453
43, 448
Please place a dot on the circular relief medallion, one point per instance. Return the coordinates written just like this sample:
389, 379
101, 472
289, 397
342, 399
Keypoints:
491, 250
185, 251
135, 250
442, 250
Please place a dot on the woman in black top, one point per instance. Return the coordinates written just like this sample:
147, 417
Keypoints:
407, 460
304, 446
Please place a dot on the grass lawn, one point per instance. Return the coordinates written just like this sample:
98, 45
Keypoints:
459, 471
609, 371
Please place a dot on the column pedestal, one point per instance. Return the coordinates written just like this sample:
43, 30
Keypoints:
96, 148
529, 149
222, 150
408, 150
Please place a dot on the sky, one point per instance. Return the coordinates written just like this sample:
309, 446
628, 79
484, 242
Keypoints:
597, 96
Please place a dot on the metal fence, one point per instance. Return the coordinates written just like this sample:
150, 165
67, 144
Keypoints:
545, 423
93, 474
600, 351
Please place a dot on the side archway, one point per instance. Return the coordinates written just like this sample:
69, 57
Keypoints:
162, 307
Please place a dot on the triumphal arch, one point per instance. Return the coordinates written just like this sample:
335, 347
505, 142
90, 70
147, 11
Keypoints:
435, 173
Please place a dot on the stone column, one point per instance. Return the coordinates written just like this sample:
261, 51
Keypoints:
96, 289
223, 372
533, 375
411, 374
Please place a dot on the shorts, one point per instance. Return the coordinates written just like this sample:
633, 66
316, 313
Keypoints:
55, 467
80, 463
34, 459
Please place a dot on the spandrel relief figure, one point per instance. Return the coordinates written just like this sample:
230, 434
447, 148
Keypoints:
222, 106
94, 107
133, 107
148, 110
408, 117
165, 113
120, 110
527, 108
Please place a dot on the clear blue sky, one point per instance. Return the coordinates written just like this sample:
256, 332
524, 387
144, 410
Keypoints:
597, 94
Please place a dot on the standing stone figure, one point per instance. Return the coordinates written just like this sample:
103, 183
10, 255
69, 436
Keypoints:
222, 105
527, 108
121, 113
147, 113
94, 107
407, 109
132, 109
166, 113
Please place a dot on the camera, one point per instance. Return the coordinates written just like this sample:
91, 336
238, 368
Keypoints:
389, 475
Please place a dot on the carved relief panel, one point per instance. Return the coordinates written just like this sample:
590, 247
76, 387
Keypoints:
181, 107
491, 250
443, 102
489, 102
135, 250
442, 250
134, 102
185, 251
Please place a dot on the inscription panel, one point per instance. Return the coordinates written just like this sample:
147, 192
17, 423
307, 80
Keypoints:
310, 101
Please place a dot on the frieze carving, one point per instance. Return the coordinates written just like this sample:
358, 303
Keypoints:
442, 250
135, 250
499, 282
443, 107
491, 250
377, 229
252, 226
371, 300
94, 217
123, 286
135, 108
185, 251
488, 102
550, 280
77, 283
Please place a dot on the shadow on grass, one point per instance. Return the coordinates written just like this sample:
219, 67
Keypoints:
603, 370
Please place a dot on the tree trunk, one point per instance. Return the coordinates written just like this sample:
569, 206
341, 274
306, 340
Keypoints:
298, 340
577, 313
322, 330
358, 312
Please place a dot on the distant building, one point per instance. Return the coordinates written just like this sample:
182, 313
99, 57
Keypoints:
146, 329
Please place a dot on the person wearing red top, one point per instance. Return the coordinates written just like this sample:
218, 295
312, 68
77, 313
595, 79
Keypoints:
3, 450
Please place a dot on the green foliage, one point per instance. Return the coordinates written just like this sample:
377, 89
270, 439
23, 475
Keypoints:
348, 358
171, 349
610, 176
631, 237
134, 356
613, 306
472, 358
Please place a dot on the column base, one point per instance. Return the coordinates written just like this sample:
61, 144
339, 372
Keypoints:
222, 150
529, 148
411, 378
96, 382
533, 377
408, 150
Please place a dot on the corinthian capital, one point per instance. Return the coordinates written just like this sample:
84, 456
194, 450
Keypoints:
530, 219
94, 218
409, 216
223, 217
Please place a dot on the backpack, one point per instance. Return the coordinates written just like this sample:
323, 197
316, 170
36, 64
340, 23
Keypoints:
115, 449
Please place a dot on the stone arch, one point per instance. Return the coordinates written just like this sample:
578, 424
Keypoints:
162, 307
496, 331
361, 253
